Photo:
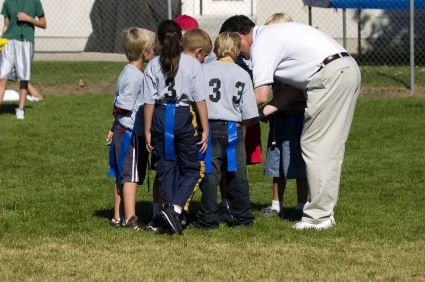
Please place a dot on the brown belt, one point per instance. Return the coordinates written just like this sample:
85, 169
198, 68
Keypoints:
332, 58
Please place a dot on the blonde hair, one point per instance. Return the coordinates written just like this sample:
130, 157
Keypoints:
137, 40
227, 44
197, 38
279, 18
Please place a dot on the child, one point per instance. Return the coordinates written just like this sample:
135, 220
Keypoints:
20, 19
138, 44
283, 156
231, 102
172, 86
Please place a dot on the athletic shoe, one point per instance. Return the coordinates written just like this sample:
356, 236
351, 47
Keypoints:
20, 114
297, 215
133, 223
157, 225
269, 212
117, 222
225, 215
172, 219
328, 223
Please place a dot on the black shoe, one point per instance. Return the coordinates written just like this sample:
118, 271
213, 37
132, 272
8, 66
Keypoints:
157, 225
225, 215
172, 219
199, 226
133, 223
294, 216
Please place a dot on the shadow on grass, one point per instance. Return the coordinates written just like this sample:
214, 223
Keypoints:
144, 210
9, 108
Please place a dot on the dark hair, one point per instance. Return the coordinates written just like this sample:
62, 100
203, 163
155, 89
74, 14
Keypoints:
170, 41
240, 23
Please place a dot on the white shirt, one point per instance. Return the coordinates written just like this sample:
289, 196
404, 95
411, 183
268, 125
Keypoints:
291, 53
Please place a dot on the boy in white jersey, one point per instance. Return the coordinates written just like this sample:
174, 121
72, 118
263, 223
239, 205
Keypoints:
231, 102
124, 153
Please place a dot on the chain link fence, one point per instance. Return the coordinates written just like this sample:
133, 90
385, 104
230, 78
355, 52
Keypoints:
86, 34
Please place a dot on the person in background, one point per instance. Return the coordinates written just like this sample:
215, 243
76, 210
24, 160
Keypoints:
20, 19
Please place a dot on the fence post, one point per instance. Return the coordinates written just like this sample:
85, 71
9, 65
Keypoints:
412, 47
169, 10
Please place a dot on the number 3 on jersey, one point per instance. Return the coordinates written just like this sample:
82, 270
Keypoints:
215, 83
172, 94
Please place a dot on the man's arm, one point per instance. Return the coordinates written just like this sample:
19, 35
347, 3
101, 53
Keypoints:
280, 100
262, 93
38, 22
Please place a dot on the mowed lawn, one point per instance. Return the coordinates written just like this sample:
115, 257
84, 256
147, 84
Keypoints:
56, 203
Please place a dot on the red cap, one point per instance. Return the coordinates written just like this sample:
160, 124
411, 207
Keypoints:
186, 22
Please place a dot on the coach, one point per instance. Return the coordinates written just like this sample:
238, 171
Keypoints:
303, 57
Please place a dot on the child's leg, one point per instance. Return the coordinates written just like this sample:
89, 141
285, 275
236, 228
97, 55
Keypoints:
238, 187
118, 203
23, 91
129, 198
3, 84
302, 192
278, 190
156, 197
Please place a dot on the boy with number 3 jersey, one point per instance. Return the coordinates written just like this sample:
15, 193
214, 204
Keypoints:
230, 102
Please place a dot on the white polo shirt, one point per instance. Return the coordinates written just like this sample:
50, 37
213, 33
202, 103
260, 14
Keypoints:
290, 53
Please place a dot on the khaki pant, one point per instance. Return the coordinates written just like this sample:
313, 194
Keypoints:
331, 99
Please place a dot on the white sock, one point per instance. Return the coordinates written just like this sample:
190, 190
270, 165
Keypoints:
177, 209
155, 209
276, 205
300, 206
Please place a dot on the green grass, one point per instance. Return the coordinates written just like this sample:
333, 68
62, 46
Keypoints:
56, 202
48, 74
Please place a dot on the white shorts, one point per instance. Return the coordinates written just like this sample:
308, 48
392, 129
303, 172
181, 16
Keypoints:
16, 59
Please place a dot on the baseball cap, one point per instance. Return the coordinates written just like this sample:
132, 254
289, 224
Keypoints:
186, 22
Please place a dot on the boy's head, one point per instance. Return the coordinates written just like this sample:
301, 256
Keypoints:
197, 43
138, 43
279, 18
227, 44
186, 22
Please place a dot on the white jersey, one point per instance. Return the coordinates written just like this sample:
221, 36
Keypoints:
128, 94
290, 53
184, 89
230, 95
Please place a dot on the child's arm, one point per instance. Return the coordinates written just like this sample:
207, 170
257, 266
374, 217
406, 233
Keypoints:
38, 22
5, 24
203, 116
148, 113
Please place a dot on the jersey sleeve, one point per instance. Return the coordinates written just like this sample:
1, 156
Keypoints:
5, 10
249, 106
149, 85
128, 93
39, 12
266, 56
198, 89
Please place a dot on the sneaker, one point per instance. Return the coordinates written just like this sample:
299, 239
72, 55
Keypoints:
328, 223
269, 212
117, 222
157, 225
225, 215
297, 215
172, 219
133, 223
20, 113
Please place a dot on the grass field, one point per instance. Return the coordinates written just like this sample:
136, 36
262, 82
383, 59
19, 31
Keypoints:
62, 78
56, 203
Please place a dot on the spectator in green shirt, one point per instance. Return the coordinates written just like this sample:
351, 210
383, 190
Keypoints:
20, 19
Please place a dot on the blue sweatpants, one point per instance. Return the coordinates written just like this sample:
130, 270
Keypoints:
177, 177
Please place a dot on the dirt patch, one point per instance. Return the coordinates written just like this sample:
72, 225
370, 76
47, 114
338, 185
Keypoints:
62, 90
